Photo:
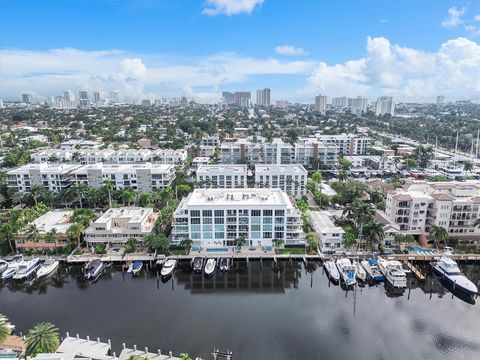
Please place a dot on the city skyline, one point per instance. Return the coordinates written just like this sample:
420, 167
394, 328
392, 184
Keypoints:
171, 48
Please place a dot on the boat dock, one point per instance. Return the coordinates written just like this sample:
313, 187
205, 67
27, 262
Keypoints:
415, 271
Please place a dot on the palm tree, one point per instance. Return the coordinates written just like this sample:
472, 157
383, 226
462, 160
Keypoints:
42, 338
374, 231
51, 236
186, 244
8, 231
109, 186
33, 233
467, 166
36, 192
80, 190
145, 199
127, 196
439, 233
5, 328
94, 196
75, 231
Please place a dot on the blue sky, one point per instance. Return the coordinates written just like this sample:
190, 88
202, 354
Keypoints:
150, 48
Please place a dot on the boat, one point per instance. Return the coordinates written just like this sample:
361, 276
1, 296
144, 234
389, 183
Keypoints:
197, 264
159, 263
347, 271
10, 271
3, 265
135, 267
26, 269
94, 269
448, 269
168, 267
393, 272
360, 272
372, 269
224, 264
210, 266
48, 267
331, 270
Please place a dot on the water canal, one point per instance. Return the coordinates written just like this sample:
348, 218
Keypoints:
288, 312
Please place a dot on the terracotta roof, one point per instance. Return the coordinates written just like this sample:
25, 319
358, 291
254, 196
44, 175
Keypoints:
443, 197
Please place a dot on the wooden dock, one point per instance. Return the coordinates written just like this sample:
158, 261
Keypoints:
415, 271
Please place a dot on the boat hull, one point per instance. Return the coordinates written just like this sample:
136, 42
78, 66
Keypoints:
455, 285
45, 271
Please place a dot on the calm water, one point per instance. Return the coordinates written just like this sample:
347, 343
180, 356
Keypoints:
259, 313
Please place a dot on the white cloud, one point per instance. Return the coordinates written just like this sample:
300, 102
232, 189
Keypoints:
230, 7
477, 18
472, 31
403, 72
290, 50
454, 17
134, 75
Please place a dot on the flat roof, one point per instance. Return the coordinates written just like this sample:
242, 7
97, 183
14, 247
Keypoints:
207, 169
125, 167
82, 347
134, 214
52, 168
322, 223
291, 168
56, 219
238, 197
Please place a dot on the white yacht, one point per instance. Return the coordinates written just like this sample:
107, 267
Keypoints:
168, 267
360, 271
372, 269
26, 269
210, 266
393, 272
448, 269
3, 265
347, 271
331, 270
48, 267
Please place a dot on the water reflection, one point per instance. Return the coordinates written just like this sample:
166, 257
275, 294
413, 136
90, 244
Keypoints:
284, 310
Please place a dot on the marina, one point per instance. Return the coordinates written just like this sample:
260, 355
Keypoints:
261, 297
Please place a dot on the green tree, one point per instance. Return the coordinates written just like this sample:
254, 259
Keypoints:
80, 190
350, 237
278, 242
312, 242
240, 241
467, 166
127, 196
145, 199
374, 231
130, 245
42, 338
33, 233
108, 188
439, 233
5, 328
186, 244
185, 356
158, 243
75, 232
183, 189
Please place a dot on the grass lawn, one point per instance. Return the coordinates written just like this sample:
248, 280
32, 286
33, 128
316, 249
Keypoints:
291, 251
178, 251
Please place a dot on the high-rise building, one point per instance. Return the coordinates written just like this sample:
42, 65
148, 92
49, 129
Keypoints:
340, 102
228, 97
440, 100
242, 98
358, 105
84, 101
385, 106
115, 97
68, 95
263, 97
281, 104
321, 103
27, 98
96, 98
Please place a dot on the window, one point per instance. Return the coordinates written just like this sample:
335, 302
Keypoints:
267, 227
207, 220
279, 212
195, 221
219, 227
196, 236
218, 212
196, 228
267, 235
207, 227
219, 220
207, 213
267, 212
195, 213
219, 235
255, 212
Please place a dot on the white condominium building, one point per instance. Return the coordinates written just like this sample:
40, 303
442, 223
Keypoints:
454, 206
314, 154
214, 218
117, 225
385, 105
210, 141
110, 156
256, 151
54, 177
321, 103
348, 144
290, 178
331, 236
222, 176
358, 106
145, 177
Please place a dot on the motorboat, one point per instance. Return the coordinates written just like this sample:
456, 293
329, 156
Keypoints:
225, 263
448, 269
10, 271
393, 272
3, 265
360, 272
347, 271
197, 264
47, 268
210, 266
135, 267
159, 263
94, 269
331, 270
168, 267
372, 269
26, 269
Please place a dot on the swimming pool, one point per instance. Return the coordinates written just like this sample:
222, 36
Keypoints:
216, 250
421, 251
